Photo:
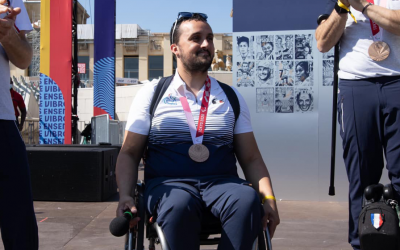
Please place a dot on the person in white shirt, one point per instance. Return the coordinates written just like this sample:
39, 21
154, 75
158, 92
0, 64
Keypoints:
369, 90
181, 188
17, 217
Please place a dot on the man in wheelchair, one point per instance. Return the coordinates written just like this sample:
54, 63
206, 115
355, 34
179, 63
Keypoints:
192, 138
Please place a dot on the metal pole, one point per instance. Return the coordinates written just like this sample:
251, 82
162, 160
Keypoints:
334, 119
75, 82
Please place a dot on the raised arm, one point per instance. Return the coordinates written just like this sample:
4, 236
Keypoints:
330, 30
257, 174
127, 170
15, 44
387, 19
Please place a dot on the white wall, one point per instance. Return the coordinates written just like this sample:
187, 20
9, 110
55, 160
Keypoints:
124, 97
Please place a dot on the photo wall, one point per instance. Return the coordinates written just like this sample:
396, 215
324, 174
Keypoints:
279, 67
287, 85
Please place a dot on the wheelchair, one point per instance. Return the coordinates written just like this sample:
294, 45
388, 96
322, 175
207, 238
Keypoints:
134, 239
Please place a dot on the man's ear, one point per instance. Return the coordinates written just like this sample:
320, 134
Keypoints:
175, 49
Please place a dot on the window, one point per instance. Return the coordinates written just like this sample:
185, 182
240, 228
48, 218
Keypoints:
85, 60
131, 67
156, 67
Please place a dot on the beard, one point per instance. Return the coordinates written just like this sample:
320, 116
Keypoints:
200, 63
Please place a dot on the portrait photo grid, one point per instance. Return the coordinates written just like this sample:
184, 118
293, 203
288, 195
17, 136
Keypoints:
328, 60
280, 68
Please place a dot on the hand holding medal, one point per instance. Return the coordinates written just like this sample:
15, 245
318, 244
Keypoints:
379, 50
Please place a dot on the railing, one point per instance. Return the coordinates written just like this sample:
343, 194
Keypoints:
30, 131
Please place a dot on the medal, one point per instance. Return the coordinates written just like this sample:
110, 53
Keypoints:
379, 51
199, 152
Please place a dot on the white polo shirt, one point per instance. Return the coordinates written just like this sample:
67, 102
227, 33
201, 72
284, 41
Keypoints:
355, 62
169, 121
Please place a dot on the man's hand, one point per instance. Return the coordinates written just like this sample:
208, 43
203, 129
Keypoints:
127, 203
345, 2
7, 23
271, 216
20, 127
358, 4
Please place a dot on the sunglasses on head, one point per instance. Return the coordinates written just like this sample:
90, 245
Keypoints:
185, 15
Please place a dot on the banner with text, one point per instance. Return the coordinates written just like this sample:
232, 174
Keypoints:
55, 72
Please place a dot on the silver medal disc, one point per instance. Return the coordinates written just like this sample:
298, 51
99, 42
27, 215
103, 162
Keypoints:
199, 153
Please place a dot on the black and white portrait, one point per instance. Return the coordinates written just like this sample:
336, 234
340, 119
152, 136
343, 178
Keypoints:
284, 99
245, 48
284, 71
245, 74
264, 73
265, 47
303, 47
265, 100
246, 67
304, 100
330, 55
279, 47
328, 73
304, 73
288, 51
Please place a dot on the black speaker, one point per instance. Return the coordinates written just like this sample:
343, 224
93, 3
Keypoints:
72, 173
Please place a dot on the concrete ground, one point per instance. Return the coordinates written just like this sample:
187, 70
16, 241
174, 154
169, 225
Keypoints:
304, 225
84, 225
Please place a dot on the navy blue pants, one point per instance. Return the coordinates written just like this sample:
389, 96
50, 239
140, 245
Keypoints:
17, 217
180, 207
369, 118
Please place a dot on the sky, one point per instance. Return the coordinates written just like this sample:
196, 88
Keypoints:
159, 15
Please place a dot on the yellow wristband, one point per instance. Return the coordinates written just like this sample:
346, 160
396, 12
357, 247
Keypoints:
268, 197
341, 5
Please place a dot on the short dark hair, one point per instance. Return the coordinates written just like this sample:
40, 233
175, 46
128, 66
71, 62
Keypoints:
177, 33
309, 96
243, 39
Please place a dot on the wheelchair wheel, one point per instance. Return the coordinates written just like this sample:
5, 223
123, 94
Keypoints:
141, 213
134, 239
261, 241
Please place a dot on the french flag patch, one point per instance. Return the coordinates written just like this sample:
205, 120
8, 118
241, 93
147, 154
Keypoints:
376, 220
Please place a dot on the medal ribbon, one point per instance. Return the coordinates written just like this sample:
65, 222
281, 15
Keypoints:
376, 31
197, 134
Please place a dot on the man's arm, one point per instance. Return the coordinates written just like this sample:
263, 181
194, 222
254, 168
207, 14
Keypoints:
330, 30
18, 50
387, 19
16, 45
127, 170
256, 173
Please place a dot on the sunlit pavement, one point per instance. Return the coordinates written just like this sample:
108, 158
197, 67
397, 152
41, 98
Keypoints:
84, 225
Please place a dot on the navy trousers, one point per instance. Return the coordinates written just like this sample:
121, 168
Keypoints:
180, 207
369, 118
17, 217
